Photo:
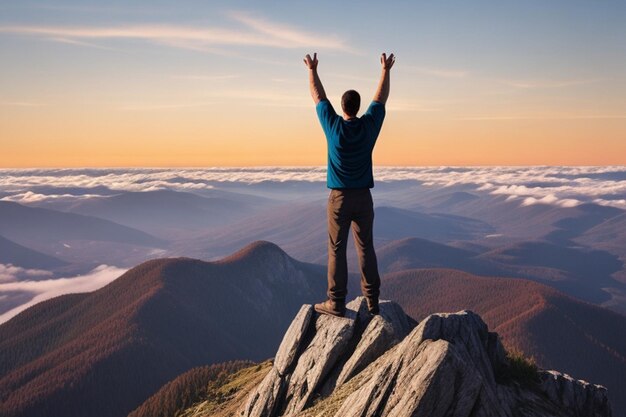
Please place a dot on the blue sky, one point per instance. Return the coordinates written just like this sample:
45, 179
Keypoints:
471, 61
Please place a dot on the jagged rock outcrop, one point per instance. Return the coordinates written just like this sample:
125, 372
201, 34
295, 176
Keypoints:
319, 353
448, 365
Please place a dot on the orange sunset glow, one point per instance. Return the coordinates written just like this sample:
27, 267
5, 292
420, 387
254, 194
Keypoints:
229, 89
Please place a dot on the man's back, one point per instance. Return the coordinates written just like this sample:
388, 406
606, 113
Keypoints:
350, 144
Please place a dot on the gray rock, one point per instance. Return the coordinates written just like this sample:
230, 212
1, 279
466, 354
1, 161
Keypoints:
293, 337
445, 366
309, 350
264, 400
428, 374
382, 332
579, 398
332, 337
464, 328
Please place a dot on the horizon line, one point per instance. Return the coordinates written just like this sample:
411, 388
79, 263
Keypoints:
130, 167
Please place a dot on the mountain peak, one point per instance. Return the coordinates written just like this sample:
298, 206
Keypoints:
255, 249
449, 364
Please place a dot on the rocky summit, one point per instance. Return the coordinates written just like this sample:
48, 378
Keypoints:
388, 365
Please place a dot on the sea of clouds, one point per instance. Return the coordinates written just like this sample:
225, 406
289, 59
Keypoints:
565, 186
559, 186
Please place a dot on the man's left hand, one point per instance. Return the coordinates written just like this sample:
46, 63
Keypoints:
311, 63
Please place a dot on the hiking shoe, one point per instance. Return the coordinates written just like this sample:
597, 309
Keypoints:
372, 305
331, 307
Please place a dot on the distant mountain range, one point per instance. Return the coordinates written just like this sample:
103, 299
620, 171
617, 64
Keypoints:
32, 225
74, 237
18, 255
296, 228
608, 234
167, 213
511, 217
575, 270
579, 250
527, 262
71, 355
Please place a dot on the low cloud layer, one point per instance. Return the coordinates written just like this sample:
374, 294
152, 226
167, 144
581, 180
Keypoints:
10, 272
560, 186
48, 288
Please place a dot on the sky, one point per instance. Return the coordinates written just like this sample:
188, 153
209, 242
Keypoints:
201, 84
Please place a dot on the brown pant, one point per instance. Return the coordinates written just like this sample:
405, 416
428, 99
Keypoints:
347, 206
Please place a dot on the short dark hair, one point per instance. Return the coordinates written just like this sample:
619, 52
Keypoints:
350, 102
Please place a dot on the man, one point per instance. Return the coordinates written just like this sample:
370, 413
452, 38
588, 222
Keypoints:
350, 141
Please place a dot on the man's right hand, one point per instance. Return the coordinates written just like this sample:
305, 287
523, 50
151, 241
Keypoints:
382, 93
311, 63
387, 63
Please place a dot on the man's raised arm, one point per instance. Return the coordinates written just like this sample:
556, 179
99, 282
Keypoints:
317, 90
382, 94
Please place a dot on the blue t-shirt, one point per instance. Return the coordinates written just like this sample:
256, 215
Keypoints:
350, 145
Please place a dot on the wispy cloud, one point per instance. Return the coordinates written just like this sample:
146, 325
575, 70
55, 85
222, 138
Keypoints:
31, 197
255, 31
288, 35
620, 203
82, 43
9, 272
561, 186
45, 289
551, 199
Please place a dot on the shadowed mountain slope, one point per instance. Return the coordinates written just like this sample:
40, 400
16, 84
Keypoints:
582, 272
13, 253
411, 253
582, 218
398, 223
71, 355
585, 273
24, 224
610, 235
611, 230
